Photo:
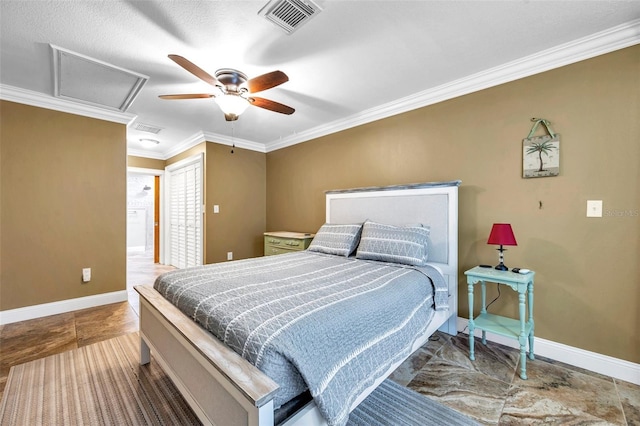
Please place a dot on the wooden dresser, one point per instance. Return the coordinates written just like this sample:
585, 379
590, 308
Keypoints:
285, 242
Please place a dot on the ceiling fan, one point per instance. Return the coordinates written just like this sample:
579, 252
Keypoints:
233, 89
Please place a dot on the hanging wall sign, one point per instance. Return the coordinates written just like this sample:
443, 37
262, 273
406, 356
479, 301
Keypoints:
541, 154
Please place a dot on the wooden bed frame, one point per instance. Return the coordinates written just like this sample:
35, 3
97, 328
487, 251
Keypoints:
224, 389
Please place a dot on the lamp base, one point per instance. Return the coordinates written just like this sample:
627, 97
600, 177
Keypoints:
501, 267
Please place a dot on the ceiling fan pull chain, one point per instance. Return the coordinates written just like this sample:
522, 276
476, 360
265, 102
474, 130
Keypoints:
233, 142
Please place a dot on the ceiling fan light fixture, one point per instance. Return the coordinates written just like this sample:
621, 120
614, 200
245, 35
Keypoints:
234, 89
233, 105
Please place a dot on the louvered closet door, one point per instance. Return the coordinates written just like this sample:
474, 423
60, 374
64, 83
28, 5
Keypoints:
185, 215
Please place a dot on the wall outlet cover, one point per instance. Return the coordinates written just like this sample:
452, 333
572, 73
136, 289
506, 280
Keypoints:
594, 208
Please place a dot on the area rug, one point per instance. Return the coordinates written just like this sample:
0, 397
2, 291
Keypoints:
391, 404
103, 384
99, 384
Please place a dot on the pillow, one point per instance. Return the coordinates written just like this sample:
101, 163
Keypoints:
336, 239
399, 244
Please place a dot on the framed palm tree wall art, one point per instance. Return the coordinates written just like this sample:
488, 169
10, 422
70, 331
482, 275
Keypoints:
541, 154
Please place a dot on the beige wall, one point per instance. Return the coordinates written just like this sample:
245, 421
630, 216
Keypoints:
63, 198
198, 149
587, 291
237, 183
145, 163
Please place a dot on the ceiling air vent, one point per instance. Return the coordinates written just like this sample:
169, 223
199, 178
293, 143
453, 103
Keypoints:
147, 128
289, 14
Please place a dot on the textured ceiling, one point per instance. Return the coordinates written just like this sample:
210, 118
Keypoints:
355, 61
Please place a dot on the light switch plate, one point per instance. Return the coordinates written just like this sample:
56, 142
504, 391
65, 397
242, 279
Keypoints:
216, 208
594, 208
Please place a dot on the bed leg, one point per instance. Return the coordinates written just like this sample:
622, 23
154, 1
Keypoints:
145, 352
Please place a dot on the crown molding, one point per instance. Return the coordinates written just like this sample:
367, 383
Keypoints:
198, 138
145, 154
239, 143
597, 44
37, 99
195, 139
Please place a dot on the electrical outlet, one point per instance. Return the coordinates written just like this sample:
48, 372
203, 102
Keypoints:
86, 275
594, 208
229, 255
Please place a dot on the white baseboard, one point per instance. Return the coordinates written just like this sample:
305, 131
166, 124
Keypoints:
46, 309
592, 361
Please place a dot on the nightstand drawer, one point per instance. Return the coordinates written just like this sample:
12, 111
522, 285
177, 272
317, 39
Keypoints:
290, 243
271, 250
285, 242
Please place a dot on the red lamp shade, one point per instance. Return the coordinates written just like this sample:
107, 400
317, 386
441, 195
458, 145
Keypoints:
502, 234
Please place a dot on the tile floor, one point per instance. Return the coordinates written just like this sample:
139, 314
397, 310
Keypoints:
142, 270
488, 389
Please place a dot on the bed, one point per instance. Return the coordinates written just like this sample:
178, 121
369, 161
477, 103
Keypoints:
224, 388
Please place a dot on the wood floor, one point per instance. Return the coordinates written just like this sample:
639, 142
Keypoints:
488, 389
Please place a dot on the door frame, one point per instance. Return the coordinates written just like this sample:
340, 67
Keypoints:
156, 219
159, 174
166, 209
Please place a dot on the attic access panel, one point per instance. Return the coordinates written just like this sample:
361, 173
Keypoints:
83, 79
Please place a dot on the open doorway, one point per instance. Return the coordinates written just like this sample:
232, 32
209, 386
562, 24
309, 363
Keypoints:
144, 262
141, 194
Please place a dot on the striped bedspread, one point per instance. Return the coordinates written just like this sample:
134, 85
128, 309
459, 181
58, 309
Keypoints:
309, 321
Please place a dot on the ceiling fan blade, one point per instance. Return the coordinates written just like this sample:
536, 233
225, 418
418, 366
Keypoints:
187, 96
195, 70
271, 105
266, 81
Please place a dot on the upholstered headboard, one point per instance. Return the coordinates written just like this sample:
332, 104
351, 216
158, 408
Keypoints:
433, 204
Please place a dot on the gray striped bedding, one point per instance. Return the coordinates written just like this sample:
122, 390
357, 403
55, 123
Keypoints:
309, 320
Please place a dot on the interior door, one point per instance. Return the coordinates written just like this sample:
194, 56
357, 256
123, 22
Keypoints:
185, 213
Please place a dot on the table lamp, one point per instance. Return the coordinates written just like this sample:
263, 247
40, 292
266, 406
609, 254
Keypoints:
502, 234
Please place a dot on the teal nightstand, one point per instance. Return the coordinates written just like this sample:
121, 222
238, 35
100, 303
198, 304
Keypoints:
521, 330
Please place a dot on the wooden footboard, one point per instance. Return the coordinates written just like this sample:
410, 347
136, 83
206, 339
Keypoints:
220, 386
